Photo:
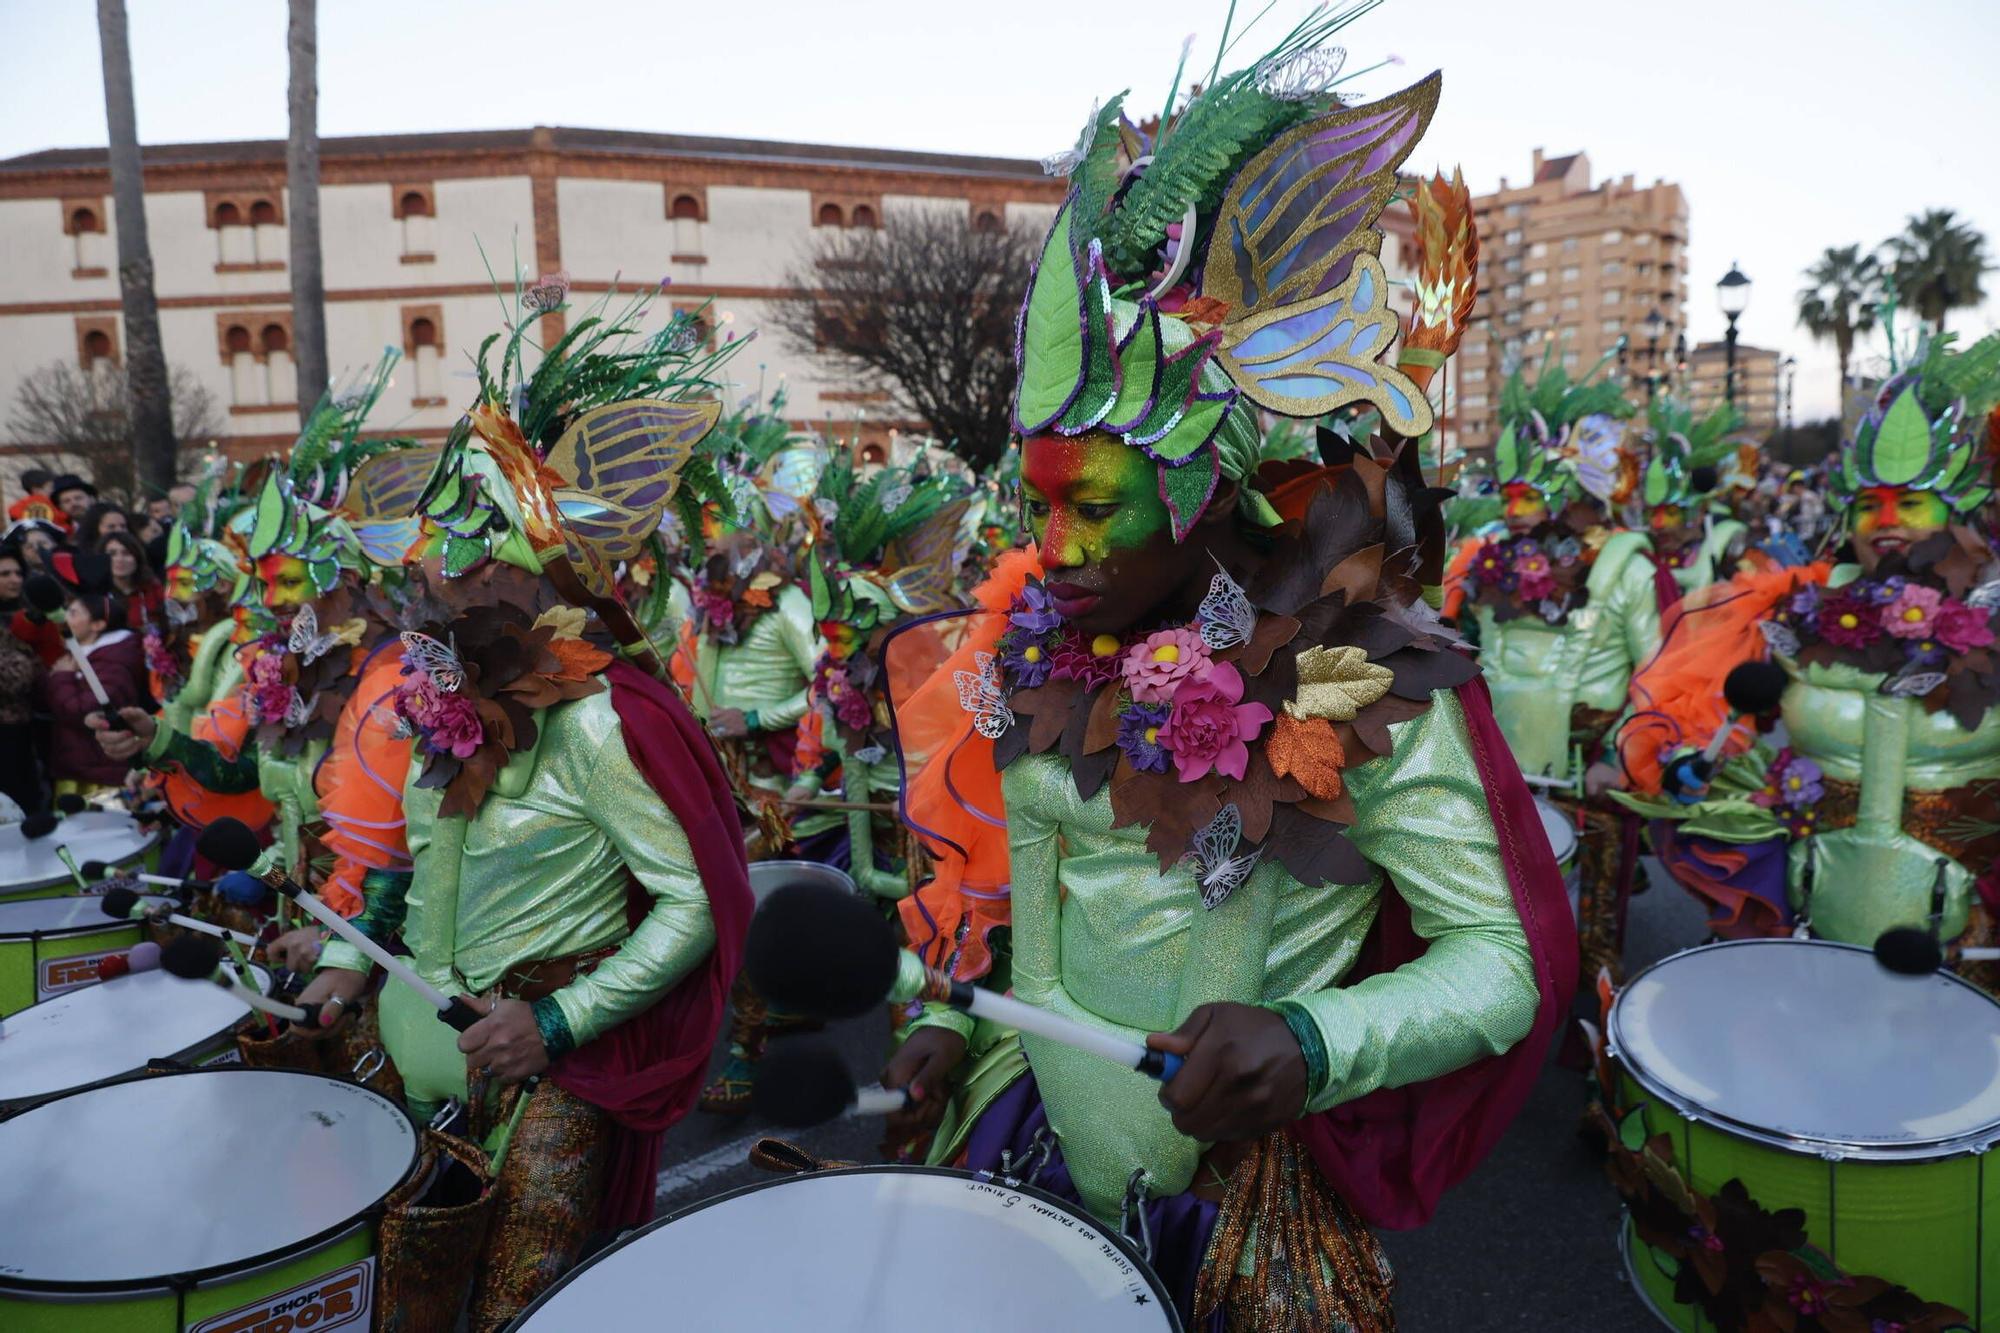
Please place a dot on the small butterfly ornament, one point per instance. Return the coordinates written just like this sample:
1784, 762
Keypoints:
306, 642
1914, 685
1227, 618
178, 614
437, 660
1783, 640
979, 694
897, 496
1217, 868
299, 711
1985, 597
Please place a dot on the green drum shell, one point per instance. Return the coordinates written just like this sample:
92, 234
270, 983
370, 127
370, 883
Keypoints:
24, 954
1916, 1218
323, 1280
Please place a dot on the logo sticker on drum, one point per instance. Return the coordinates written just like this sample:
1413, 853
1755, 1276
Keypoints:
338, 1300
61, 974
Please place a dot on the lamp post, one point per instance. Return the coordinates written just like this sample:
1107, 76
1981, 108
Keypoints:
1732, 293
1790, 365
1655, 326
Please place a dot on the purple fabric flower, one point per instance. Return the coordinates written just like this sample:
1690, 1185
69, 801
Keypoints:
1880, 591
1139, 736
1028, 663
1925, 653
1800, 784
1034, 612
852, 708
1962, 628
1804, 605
1081, 662
1849, 621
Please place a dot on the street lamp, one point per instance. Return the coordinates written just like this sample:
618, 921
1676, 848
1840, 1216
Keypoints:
1790, 365
1656, 327
1732, 293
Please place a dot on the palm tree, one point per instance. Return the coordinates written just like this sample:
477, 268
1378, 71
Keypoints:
1838, 300
302, 187
153, 446
1937, 263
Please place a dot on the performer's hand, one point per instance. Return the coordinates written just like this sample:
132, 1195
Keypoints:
1244, 1074
1601, 777
923, 1065
728, 723
340, 984
295, 949
506, 1043
122, 745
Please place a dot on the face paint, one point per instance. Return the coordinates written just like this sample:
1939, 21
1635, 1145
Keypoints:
1526, 509
180, 584
1888, 520
286, 584
1668, 518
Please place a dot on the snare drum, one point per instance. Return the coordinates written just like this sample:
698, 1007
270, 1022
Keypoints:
253, 1207
1827, 1084
31, 866
883, 1246
768, 875
1562, 841
100, 1032
52, 945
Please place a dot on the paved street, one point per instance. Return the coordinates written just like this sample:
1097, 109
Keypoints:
1527, 1243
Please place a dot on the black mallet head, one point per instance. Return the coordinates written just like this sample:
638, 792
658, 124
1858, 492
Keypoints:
192, 957
801, 1084
1909, 950
95, 870
229, 843
1702, 480
69, 803
1755, 688
119, 903
39, 825
44, 594
821, 951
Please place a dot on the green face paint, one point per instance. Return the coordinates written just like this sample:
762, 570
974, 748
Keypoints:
1089, 498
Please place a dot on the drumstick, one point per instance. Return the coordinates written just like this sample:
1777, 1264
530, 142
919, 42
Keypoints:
112, 722
828, 953
804, 1083
229, 843
68, 858
1915, 952
99, 870
125, 905
199, 958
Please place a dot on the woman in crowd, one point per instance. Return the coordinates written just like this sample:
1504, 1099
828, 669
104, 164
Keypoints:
20, 676
132, 578
99, 522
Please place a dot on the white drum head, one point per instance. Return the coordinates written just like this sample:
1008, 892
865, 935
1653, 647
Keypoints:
93, 835
189, 1173
1561, 831
768, 875
874, 1250
110, 1028
1814, 1047
77, 914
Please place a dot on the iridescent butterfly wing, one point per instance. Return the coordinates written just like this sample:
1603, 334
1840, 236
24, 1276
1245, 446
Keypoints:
619, 465
1227, 618
1295, 258
922, 567
789, 478
382, 502
437, 660
1217, 868
979, 694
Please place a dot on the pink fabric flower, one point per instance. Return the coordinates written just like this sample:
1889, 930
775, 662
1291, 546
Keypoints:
1210, 724
455, 726
1962, 628
1155, 666
1913, 613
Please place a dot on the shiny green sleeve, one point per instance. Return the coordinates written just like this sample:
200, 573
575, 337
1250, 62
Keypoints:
1423, 819
1637, 607
799, 641
677, 932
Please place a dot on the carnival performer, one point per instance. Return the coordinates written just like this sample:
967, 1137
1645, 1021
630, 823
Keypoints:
1564, 606
578, 862
1174, 726
1696, 536
1879, 811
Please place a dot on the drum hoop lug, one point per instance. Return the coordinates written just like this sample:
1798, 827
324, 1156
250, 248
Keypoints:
1133, 1208
445, 1114
372, 1060
1832, 1155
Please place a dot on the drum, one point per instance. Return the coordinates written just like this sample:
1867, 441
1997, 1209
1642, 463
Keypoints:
768, 875
883, 1247
1823, 1082
1562, 841
52, 945
253, 1210
97, 1033
31, 866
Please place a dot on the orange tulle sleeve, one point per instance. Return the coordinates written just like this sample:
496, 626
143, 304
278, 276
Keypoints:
360, 786
951, 798
1454, 577
225, 726
1677, 695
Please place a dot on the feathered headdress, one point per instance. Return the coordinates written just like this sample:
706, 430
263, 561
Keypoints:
1558, 433
1929, 427
1682, 446
569, 471
1222, 262
887, 544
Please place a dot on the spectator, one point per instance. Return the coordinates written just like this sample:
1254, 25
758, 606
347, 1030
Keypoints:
35, 501
20, 619
20, 679
34, 538
132, 578
76, 762
72, 495
98, 522
179, 495
148, 529
161, 510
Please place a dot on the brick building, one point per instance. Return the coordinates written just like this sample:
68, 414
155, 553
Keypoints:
1572, 264
1759, 388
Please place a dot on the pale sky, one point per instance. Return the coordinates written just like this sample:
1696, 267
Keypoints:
1792, 124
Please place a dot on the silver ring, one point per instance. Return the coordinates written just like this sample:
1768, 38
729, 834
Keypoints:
496, 1006
339, 1000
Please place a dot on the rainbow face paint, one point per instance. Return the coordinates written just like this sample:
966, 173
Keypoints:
1880, 509
1088, 498
180, 584
1526, 508
285, 583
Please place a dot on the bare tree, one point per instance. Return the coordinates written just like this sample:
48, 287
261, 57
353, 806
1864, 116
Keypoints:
150, 436
302, 186
68, 419
924, 308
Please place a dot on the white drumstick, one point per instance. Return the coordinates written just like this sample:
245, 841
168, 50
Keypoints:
389, 963
84, 669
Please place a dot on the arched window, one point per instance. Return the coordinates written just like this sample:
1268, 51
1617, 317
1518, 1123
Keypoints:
281, 383
423, 344
872, 455
96, 347
275, 339
83, 220
864, 216
685, 206
228, 215
246, 377
987, 220
416, 205
831, 216
423, 333
237, 340
263, 213
86, 229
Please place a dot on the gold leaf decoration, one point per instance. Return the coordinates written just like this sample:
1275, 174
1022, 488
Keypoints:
1337, 683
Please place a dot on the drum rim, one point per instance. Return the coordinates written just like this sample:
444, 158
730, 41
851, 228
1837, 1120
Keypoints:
246, 1267
11, 1107
1125, 1246
65, 932
1805, 1145
152, 840
794, 863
